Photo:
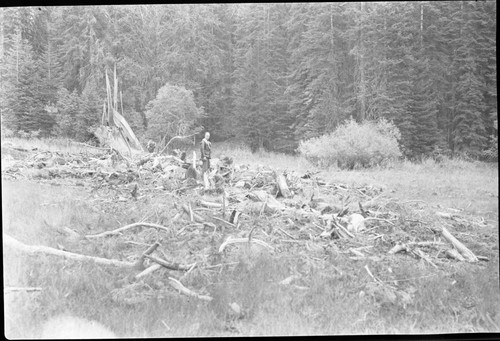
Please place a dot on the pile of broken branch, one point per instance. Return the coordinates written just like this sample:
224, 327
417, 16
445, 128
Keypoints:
259, 208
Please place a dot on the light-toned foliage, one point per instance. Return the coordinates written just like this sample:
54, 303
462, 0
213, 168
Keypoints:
173, 112
353, 144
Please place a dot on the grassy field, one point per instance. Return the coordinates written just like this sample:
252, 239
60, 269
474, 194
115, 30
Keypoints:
330, 298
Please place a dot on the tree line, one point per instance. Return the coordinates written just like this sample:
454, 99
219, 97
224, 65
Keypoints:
270, 75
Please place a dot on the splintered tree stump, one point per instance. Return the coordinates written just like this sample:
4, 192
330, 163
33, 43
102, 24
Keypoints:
282, 185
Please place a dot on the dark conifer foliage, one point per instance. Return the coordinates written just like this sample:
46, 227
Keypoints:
267, 74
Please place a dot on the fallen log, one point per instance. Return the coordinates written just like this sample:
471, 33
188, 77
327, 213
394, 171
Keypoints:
289, 279
190, 213
170, 265
407, 246
149, 270
422, 255
243, 240
21, 289
342, 228
445, 215
282, 185
140, 262
67, 231
40, 249
225, 222
464, 251
357, 253
209, 204
262, 196
454, 254
121, 229
398, 248
178, 285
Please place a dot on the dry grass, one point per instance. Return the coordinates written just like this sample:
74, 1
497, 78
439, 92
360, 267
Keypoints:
461, 298
50, 144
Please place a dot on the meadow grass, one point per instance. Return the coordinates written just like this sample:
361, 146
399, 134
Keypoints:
338, 299
60, 145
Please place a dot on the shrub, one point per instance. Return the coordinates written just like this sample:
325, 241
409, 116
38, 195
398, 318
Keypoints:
353, 145
173, 112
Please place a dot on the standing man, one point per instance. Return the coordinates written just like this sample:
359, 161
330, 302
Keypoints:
206, 149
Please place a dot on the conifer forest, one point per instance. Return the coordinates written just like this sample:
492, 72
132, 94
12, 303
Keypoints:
265, 74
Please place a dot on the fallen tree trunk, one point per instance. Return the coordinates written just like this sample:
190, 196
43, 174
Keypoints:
445, 215
21, 289
243, 240
407, 246
464, 251
39, 249
149, 270
453, 253
178, 285
140, 262
169, 265
121, 229
209, 204
190, 213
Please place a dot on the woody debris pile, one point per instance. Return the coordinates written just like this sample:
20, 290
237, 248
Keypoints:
204, 226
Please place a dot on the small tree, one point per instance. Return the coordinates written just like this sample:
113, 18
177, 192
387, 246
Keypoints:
173, 112
68, 105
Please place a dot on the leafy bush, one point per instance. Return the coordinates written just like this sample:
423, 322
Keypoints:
353, 145
173, 112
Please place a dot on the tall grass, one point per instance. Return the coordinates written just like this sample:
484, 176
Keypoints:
61, 145
243, 155
337, 298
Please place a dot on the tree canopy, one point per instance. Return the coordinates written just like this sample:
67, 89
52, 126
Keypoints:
173, 112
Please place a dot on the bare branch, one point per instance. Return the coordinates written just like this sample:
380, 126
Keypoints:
40, 249
121, 229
